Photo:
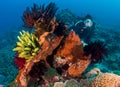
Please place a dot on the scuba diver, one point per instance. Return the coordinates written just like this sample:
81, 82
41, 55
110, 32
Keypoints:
84, 28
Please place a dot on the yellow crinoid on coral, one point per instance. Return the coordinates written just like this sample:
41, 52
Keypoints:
27, 46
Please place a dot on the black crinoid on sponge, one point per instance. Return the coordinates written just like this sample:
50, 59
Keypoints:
97, 50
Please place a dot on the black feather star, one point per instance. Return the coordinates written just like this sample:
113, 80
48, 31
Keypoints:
97, 50
37, 12
60, 30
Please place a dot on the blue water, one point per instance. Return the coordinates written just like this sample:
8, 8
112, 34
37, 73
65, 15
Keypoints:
104, 12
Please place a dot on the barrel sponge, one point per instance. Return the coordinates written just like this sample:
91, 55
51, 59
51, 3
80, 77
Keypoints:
106, 80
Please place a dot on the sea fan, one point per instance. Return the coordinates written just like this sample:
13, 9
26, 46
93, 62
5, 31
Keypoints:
97, 50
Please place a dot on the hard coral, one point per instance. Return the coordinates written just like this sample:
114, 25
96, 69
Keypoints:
67, 83
97, 50
27, 46
106, 80
93, 72
59, 84
71, 83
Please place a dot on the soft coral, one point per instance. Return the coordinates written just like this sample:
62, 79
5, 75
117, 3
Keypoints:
19, 62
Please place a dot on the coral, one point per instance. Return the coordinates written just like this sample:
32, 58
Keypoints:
38, 70
71, 41
71, 83
78, 68
59, 84
19, 62
27, 46
61, 55
97, 50
67, 83
93, 72
105, 80
70, 56
50, 44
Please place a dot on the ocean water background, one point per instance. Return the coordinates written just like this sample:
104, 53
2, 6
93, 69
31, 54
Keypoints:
104, 12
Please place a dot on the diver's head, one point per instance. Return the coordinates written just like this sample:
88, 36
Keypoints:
88, 22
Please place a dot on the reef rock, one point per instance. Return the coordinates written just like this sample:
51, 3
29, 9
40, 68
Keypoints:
73, 54
47, 48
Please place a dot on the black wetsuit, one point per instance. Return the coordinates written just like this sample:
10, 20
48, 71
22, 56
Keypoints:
85, 33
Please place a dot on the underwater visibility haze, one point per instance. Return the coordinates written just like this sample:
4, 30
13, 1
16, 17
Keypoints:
60, 43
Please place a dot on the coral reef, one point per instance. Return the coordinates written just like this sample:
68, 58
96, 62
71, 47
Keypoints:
105, 80
27, 46
62, 58
48, 47
61, 49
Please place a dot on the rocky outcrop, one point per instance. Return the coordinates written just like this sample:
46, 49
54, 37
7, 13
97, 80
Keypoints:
47, 48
